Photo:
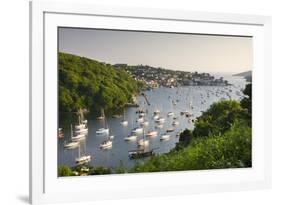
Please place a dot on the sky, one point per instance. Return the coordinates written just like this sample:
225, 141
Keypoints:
185, 52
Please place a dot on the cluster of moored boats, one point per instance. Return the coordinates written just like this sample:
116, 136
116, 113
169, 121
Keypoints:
77, 136
142, 137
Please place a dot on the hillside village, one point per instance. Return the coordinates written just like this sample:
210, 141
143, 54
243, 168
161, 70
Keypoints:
155, 77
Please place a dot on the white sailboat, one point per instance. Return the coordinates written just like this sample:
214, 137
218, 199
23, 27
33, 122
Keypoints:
81, 128
104, 130
71, 145
101, 131
102, 116
76, 137
143, 142
107, 144
124, 122
82, 159
137, 130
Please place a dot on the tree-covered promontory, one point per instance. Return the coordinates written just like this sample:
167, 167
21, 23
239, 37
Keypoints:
88, 84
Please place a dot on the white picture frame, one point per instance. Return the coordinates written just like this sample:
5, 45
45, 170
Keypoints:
46, 187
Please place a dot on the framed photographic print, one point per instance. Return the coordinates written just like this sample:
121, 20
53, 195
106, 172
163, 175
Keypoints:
129, 102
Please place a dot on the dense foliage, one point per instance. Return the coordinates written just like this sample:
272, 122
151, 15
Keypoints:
64, 171
247, 101
218, 118
91, 85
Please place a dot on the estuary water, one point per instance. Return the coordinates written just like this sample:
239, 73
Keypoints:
193, 99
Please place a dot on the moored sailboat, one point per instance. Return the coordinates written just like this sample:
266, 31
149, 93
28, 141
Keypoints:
103, 130
84, 159
137, 130
71, 145
124, 122
102, 116
107, 144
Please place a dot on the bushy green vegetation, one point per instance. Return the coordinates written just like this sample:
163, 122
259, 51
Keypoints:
218, 118
64, 171
100, 170
86, 83
247, 101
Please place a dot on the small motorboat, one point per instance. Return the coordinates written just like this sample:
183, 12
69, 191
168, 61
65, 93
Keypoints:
131, 138
151, 133
175, 123
160, 120
170, 114
170, 129
141, 153
165, 137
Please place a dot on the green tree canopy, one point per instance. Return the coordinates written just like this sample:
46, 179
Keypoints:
86, 83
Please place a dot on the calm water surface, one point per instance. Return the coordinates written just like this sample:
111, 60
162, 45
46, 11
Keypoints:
201, 97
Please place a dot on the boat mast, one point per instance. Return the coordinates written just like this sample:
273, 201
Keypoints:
79, 154
144, 138
71, 132
123, 114
103, 117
